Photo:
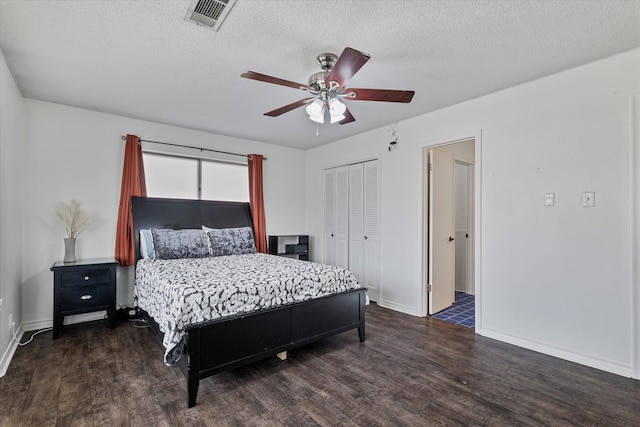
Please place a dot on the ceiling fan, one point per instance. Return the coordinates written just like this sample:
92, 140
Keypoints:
327, 87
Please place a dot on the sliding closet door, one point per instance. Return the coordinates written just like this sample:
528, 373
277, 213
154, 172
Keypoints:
336, 216
371, 250
351, 221
363, 225
329, 215
341, 238
356, 222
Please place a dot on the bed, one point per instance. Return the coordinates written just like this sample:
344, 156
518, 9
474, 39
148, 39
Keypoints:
233, 335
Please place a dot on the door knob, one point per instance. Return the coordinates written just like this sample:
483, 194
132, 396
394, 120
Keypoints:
451, 239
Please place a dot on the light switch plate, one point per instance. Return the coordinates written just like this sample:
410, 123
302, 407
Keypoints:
549, 199
588, 199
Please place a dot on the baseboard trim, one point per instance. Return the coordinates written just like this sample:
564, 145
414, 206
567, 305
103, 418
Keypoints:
8, 354
397, 307
571, 356
36, 325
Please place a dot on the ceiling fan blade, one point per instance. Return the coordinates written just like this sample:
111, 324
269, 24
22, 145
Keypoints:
287, 108
348, 117
384, 95
269, 79
349, 62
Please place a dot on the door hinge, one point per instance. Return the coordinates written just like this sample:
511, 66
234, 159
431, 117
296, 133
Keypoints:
429, 287
430, 167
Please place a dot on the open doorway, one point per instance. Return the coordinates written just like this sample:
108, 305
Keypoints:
449, 232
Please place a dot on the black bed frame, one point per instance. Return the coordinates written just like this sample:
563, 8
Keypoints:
232, 341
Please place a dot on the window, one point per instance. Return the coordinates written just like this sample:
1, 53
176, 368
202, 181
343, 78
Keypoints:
190, 178
170, 176
224, 181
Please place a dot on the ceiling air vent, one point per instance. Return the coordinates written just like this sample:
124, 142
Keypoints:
209, 13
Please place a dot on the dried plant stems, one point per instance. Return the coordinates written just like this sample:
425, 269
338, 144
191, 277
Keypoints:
73, 217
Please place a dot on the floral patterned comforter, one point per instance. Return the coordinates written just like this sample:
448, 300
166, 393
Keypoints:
180, 292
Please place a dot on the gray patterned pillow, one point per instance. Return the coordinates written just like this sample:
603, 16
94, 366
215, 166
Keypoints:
173, 244
231, 241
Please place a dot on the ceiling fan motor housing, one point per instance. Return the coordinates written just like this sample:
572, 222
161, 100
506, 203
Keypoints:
326, 61
317, 80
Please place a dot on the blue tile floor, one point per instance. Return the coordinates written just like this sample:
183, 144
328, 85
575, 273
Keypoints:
462, 312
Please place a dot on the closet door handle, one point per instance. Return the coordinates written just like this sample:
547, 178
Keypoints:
365, 237
451, 239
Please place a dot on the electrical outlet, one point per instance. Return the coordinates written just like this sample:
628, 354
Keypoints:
10, 322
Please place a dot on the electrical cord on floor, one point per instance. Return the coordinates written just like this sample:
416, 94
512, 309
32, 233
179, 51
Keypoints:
139, 323
21, 344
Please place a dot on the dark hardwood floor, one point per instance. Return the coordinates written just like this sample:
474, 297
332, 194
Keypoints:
410, 371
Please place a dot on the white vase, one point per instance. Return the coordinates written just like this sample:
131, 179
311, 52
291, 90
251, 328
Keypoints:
69, 249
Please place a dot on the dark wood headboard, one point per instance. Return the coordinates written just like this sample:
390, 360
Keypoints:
150, 212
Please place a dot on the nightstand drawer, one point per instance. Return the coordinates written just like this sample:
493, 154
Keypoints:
86, 277
84, 297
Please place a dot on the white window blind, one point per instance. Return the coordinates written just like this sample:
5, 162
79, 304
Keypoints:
179, 177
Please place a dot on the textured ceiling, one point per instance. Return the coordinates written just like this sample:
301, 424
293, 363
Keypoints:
141, 59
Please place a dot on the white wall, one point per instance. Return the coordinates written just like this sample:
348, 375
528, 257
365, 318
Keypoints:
11, 127
73, 153
558, 280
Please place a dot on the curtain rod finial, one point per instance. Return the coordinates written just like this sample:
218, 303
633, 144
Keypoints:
123, 137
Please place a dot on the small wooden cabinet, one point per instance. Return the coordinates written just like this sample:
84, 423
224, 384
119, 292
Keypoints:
293, 246
82, 287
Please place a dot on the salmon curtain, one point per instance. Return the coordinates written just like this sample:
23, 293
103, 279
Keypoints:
257, 202
133, 184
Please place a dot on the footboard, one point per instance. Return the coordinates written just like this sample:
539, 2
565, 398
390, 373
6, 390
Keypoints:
226, 343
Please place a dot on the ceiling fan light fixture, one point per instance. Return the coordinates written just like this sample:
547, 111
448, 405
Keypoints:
336, 110
336, 119
318, 119
315, 110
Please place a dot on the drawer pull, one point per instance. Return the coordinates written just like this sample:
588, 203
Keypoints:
86, 297
86, 277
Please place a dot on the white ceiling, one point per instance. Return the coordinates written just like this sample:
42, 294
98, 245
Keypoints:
141, 59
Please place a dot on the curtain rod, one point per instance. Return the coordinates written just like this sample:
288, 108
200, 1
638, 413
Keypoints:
123, 137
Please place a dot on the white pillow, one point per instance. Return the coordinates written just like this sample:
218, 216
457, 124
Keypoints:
146, 245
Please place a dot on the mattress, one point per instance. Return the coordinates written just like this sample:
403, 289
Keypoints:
181, 292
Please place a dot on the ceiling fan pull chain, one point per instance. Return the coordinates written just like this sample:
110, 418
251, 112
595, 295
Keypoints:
317, 129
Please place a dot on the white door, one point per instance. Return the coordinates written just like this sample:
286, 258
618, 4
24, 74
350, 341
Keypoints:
356, 222
441, 232
462, 256
341, 231
371, 265
329, 215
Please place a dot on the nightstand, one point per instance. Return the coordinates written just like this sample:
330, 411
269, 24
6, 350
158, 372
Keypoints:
82, 287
